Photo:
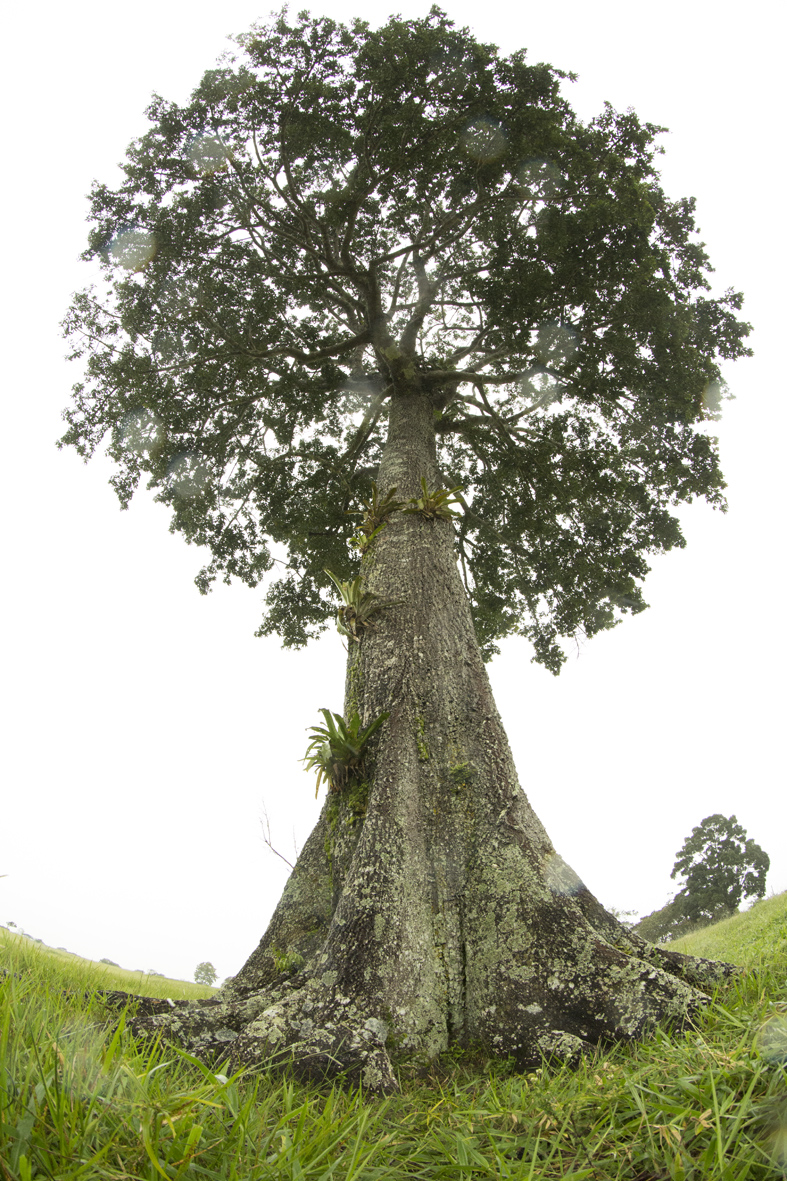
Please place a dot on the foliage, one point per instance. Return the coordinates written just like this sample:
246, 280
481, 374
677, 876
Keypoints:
434, 503
82, 1100
338, 749
285, 961
626, 917
341, 214
720, 865
375, 514
668, 923
358, 606
205, 973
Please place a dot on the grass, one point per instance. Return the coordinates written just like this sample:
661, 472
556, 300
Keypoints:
749, 938
81, 1100
110, 975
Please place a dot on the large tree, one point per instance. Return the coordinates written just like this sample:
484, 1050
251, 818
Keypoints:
376, 268
720, 865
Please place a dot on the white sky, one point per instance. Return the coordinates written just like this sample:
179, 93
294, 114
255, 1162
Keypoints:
147, 728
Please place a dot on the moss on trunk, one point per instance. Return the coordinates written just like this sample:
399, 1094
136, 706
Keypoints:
429, 907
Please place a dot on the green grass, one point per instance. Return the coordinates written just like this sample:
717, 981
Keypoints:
109, 976
81, 1100
749, 938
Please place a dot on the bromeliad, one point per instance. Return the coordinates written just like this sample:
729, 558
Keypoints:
358, 607
337, 750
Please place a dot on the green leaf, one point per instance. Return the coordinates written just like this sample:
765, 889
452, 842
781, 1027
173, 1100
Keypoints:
243, 374
337, 751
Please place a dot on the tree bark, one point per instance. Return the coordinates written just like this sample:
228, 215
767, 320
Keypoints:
428, 907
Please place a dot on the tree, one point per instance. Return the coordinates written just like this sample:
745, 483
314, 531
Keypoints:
720, 865
665, 924
205, 973
626, 917
389, 273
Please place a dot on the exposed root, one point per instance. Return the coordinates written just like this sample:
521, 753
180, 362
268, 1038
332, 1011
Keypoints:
317, 1033
317, 1040
288, 1028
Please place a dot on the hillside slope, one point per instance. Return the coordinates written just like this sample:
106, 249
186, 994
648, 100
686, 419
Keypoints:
95, 975
758, 934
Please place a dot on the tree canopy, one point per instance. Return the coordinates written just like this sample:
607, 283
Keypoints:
721, 865
339, 209
205, 973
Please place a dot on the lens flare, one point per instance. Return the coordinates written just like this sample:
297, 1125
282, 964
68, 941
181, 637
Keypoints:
141, 432
180, 298
772, 1041
555, 343
560, 877
188, 475
451, 66
167, 346
539, 178
207, 154
712, 397
538, 386
133, 249
355, 398
484, 140
774, 1131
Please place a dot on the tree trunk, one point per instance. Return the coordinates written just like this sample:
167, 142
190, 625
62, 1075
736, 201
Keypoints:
429, 907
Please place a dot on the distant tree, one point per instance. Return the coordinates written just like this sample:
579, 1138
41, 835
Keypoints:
112, 963
205, 973
661, 926
625, 917
720, 865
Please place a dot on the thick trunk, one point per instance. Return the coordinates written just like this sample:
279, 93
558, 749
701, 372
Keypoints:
428, 906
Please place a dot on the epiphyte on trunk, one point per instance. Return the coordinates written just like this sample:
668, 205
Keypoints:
434, 503
358, 607
338, 749
375, 515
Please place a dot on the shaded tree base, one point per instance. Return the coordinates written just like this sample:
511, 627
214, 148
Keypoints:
315, 1036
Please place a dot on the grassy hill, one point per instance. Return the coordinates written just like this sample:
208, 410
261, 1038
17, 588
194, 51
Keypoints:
749, 938
81, 1101
110, 975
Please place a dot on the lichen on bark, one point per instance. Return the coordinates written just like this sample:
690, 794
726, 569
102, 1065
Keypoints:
428, 907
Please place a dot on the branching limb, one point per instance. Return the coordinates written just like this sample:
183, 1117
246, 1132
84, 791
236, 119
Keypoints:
363, 434
266, 836
394, 304
427, 291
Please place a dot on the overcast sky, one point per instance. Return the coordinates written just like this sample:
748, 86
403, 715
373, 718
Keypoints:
147, 731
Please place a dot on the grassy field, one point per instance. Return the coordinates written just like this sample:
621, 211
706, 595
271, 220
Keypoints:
81, 1100
750, 938
110, 975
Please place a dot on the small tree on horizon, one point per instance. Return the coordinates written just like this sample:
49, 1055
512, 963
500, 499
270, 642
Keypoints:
205, 973
721, 865
383, 317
